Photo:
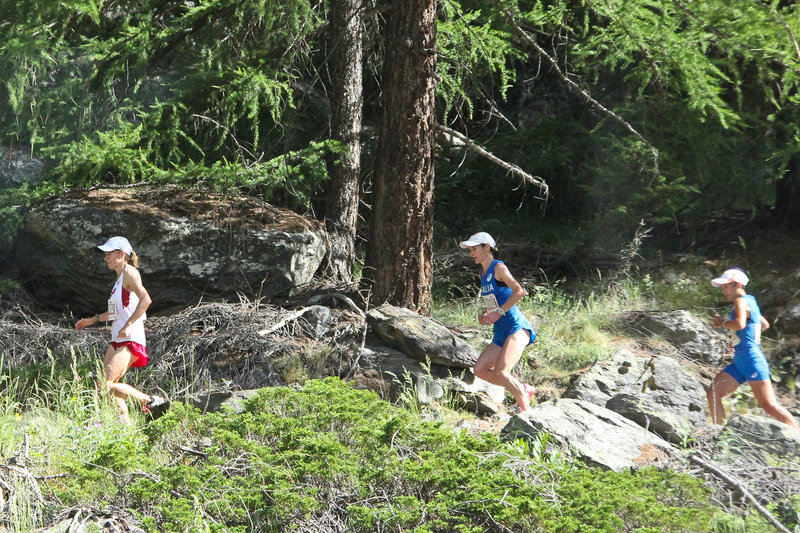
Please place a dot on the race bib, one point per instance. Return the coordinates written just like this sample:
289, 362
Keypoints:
489, 301
758, 333
735, 340
112, 310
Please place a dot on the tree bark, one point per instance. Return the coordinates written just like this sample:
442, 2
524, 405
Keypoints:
342, 195
399, 253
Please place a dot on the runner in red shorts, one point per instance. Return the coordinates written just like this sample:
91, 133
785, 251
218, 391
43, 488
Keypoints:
127, 305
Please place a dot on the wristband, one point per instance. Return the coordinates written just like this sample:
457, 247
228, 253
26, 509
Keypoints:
500, 311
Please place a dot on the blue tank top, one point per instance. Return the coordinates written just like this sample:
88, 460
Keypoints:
494, 293
749, 338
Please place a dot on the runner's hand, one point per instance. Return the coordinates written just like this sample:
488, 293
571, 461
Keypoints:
489, 317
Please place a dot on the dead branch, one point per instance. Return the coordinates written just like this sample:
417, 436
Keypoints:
739, 486
514, 169
788, 29
275, 327
575, 88
341, 297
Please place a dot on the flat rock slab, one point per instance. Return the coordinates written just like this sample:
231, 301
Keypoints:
595, 435
420, 337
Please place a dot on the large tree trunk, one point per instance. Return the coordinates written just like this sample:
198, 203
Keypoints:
398, 263
342, 197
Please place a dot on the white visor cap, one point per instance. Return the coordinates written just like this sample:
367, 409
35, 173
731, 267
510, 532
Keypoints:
729, 276
116, 243
479, 238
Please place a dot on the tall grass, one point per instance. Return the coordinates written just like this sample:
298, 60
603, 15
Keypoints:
577, 326
51, 415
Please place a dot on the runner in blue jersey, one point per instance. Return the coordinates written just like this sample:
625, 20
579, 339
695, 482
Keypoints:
500, 293
749, 363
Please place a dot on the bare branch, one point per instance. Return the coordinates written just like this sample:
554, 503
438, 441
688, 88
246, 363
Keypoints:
696, 459
574, 87
788, 29
514, 169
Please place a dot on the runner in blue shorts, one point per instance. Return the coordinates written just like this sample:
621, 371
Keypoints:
500, 293
749, 363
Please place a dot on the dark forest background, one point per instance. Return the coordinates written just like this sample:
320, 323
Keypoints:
602, 115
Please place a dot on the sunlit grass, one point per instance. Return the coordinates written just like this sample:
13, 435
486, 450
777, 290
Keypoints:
578, 326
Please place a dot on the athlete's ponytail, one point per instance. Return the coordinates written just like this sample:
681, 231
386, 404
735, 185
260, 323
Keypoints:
133, 260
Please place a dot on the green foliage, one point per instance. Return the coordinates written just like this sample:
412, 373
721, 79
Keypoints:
475, 57
127, 95
294, 458
7, 285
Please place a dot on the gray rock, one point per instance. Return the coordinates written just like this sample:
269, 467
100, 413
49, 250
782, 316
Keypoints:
212, 401
787, 321
18, 167
590, 433
316, 321
190, 245
693, 337
433, 383
655, 392
759, 438
421, 338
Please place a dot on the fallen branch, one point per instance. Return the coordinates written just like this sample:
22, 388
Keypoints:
341, 297
280, 324
738, 485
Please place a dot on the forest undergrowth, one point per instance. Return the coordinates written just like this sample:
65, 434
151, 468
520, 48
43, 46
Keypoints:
327, 457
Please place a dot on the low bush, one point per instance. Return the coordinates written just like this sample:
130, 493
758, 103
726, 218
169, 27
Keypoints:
332, 458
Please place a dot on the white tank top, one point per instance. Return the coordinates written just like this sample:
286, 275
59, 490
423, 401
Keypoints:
121, 305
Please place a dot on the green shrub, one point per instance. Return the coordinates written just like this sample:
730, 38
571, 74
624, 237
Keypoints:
294, 459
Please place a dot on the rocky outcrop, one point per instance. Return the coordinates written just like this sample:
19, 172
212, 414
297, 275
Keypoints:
18, 167
761, 439
190, 244
590, 433
691, 336
787, 321
655, 392
422, 338
433, 383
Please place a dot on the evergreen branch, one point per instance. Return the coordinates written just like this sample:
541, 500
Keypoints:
788, 29
575, 88
697, 17
514, 169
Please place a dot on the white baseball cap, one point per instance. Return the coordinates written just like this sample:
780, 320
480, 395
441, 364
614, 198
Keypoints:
116, 243
729, 276
479, 238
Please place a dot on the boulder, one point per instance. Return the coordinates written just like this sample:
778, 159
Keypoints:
787, 321
593, 434
422, 338
18, 167
433, 383
211, 401
655, 392
190, 245
761, 439
691, 336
